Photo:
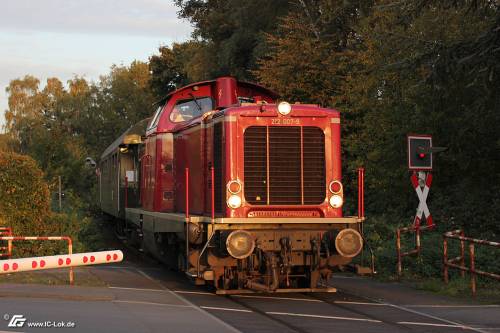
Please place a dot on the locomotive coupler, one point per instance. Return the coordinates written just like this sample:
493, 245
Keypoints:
272, 268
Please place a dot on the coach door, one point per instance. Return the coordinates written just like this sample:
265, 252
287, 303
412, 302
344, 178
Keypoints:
148, 173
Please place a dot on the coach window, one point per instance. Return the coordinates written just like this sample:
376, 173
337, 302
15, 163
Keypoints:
185, 110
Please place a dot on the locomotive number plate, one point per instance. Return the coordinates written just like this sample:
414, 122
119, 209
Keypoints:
285, 121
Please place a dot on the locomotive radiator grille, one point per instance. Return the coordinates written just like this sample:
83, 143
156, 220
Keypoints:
284, 165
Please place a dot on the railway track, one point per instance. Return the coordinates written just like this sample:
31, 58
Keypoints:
297, 312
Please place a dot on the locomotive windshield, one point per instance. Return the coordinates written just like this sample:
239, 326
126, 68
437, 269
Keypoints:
156, 117
185, 110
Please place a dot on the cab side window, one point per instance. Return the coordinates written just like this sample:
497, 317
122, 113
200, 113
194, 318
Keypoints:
185, 110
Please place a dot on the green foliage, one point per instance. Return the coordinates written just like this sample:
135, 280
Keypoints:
402, 88
283, 71
6, 143
24, 195
310, 51
24, 206
392, 69
396, 71
487, 290
24, 203
84, 231
120, 99
59, 127
232, 32
168, 70
25, 105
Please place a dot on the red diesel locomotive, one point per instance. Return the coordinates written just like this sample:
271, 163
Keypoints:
234, 189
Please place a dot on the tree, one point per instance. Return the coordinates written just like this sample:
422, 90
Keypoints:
392, 69
309, 54
410, 80
25, 108
59, 127
232, 32
6, 142
167, 71
120, 99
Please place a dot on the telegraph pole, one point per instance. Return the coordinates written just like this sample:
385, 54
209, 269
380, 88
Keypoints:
60, 194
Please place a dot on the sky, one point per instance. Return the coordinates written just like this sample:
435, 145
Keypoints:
64, 38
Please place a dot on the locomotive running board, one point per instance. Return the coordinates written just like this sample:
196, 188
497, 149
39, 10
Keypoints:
290, 290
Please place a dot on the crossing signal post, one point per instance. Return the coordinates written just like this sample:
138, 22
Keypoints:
420, 152
420, 159
422, 184
420, 163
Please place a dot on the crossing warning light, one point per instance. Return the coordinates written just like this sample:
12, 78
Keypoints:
419, 152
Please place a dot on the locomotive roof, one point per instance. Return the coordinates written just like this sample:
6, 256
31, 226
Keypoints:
271, 93
133, 135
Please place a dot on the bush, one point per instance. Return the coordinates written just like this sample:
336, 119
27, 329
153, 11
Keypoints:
25, 207
425, 271
24, 195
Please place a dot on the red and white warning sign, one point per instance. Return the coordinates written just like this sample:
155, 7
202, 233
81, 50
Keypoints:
422, 183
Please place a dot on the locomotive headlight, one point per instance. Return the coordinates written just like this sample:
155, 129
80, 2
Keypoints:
349, 243
284, 108
240, 244
234, 201
336, 201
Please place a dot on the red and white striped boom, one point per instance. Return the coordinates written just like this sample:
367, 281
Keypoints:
60, 261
